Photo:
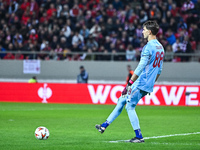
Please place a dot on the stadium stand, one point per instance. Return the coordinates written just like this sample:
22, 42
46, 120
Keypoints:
96, 29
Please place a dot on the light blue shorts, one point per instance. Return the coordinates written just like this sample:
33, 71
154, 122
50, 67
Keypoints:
133, 98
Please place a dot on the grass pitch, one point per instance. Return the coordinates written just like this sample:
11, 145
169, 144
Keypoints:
72, 127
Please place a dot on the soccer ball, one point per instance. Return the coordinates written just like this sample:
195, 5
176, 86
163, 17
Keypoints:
42, 133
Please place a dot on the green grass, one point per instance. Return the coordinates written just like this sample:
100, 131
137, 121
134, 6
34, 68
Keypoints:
72, 127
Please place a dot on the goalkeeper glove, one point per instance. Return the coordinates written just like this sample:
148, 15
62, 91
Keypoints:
127, 88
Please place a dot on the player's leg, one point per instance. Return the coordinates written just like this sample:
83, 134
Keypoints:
135, 96
115, 113
118, 109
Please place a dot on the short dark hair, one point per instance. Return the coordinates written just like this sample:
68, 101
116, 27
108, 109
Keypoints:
81, 67
152, 25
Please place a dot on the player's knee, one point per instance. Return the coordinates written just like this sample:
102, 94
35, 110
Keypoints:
121, 101
120, 105
130, 106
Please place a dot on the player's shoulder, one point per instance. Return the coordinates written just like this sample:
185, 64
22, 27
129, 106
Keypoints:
155, 44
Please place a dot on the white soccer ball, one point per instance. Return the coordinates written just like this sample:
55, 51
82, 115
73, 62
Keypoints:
42, 133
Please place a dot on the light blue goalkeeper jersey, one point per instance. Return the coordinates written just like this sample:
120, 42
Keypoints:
151, 63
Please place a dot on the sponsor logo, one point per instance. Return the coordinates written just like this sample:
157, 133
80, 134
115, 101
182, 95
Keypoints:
44, 93
161, 95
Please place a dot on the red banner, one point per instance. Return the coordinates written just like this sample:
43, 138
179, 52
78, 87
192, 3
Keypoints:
96, 94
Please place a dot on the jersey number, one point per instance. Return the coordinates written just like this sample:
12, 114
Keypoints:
158, 59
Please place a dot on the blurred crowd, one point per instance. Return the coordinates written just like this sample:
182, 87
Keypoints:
96, 26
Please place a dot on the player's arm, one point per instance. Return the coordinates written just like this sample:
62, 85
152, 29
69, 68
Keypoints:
142, 64
134, 77
157, 76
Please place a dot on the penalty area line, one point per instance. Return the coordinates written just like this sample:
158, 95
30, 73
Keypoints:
157, 137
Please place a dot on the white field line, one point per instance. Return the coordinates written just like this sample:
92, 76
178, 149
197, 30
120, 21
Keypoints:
177, 143
157, 137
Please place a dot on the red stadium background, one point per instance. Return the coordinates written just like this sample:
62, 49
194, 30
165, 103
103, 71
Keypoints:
172, 95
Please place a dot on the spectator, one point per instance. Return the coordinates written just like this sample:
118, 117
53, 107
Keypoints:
135, 42
154, 11
170, 37
44, 48
107, 44
9, 56
173, 25
143, 16
2, 55
131, 30
59, 51
33, 80
83, 76
132, 17
109, 26
196, 33
18, 38
74, 12
25, 17
12, 7
95, 29
85, 32
63, 43
169, 15
33, 35
182, 25
66, 30
130, 53
51, 10
139, 31
124, 38
101, 19
187, 48
54, 42
92, 44
2, 11
168, 53
117, 4
25, 4
44, 17
77, 38
188, 5
122, 15
174, 10
110, 11
65, 11
11, 47
164, 25
34, 7
121, 49
117, 27
197, 7
19, 56
177, 47
182, 34
163, 9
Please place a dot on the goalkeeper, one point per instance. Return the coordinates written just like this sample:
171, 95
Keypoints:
141, 82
